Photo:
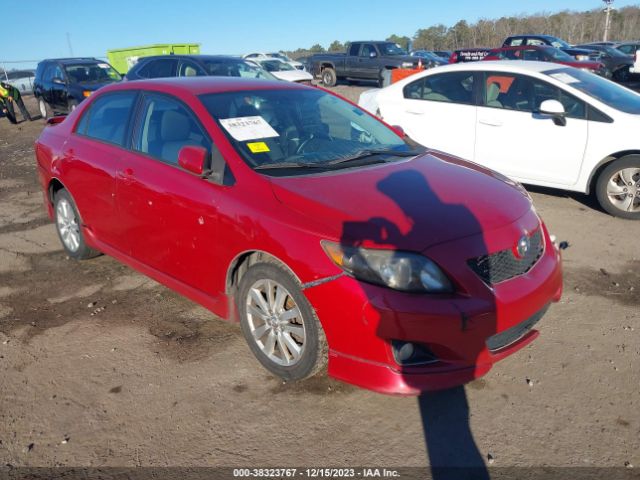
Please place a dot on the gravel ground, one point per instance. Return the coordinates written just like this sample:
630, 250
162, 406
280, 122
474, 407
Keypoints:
100, 366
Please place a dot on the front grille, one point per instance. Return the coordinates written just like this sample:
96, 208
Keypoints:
511, 335
500, 266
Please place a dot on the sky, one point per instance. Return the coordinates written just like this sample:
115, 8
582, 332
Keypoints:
39, 30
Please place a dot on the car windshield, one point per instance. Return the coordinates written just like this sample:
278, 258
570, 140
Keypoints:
391, 49
559, 55
235, 68
556, 42
92, 73
303, 129
275, 66
608, 92
280, 56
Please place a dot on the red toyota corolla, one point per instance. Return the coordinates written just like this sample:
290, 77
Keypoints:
326, 234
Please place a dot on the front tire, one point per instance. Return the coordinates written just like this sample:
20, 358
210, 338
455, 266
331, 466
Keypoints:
279, 324
618, 188
68, 227
45, 110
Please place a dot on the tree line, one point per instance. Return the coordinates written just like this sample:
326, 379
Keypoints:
574, 27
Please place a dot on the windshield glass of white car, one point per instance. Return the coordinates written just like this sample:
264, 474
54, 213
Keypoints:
608, 92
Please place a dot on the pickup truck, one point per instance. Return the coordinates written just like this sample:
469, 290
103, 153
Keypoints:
363, 61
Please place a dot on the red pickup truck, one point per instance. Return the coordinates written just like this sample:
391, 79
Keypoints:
546, 54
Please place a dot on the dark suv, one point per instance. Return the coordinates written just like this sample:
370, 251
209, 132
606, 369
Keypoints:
195, 66
525, 40
62, 83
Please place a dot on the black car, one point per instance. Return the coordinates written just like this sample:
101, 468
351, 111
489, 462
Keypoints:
529, 39
61, 84
612, 58
430, 59
161, 66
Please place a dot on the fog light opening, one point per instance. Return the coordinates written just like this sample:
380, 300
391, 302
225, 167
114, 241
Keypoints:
409, 353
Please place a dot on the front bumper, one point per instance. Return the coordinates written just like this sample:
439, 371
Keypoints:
361, 321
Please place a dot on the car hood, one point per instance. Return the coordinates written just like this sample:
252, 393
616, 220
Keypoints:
410, 204
293, 75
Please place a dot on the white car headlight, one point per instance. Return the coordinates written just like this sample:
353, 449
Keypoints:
405, 271
407, 64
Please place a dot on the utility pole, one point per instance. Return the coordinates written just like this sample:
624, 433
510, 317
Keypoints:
71, 49
607, 20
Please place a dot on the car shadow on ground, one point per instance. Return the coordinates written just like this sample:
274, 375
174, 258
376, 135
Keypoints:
452, 451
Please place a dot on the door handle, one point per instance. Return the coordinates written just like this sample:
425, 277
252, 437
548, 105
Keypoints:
414, 112
491, 122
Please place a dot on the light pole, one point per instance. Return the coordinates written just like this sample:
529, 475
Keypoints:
607, 19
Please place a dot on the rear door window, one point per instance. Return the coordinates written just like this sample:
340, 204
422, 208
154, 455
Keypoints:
454, 87
354, 49
107, 118
159, 68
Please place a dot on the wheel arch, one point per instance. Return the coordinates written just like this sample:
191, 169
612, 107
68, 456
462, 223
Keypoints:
55, 185
324, 65
595, 173
241, 263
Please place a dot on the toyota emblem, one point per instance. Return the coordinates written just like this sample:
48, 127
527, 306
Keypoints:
522, 248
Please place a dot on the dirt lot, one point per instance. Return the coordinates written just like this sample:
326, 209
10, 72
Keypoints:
101, 366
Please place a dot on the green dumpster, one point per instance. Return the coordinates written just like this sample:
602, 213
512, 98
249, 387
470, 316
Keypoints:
123, 59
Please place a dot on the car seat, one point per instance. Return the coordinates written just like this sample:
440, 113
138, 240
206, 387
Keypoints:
493, 91
175, 129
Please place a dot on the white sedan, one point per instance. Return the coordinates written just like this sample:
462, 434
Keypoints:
269, 56
538, 123
282, 70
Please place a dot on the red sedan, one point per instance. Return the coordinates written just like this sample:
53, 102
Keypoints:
331, 238
546, 53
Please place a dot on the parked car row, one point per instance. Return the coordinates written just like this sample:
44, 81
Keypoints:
538, 123
605, 60
61, 84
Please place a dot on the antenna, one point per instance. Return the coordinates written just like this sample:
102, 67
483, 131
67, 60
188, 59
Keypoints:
69, 44
607, 19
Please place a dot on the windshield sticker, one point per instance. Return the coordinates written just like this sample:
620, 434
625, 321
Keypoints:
258, 147
248, 128
104, 65
565, 77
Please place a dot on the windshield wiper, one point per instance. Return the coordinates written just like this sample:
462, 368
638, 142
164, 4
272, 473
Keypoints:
361, 154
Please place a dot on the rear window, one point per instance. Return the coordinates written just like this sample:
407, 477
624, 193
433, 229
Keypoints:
107, 118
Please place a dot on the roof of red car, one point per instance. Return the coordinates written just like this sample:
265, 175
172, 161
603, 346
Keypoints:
202, 85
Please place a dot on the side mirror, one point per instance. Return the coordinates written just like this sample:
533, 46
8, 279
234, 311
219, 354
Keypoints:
58, 81
373, 55
193, 159
554, 109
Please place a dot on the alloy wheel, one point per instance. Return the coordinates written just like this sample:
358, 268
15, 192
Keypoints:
67, 223
275, 322
623, 189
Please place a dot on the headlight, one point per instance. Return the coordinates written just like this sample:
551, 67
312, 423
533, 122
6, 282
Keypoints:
407, 64
405, 271
582, 57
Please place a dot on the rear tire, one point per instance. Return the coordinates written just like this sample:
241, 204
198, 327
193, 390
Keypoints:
68, 226
622, 75
618, 188
329, 78
279, 324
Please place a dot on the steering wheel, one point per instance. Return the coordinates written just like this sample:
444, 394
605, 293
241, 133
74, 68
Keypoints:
312, 136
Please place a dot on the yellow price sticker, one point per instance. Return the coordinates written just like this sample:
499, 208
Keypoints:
258, 147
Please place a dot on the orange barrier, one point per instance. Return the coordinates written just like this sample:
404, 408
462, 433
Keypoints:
398, 74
